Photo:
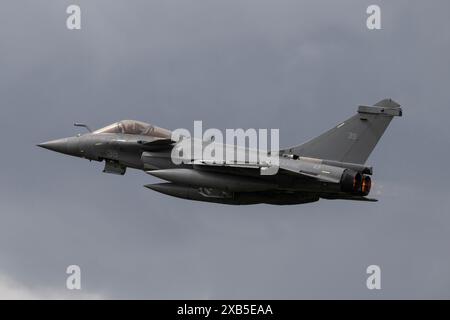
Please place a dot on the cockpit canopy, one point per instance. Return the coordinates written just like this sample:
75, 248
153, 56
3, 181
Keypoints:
135, 127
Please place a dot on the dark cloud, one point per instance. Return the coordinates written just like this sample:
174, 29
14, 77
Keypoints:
300, 66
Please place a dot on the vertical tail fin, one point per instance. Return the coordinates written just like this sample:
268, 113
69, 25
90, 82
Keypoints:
354, 139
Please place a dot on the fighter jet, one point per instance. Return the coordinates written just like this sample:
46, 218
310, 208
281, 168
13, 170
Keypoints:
330, 166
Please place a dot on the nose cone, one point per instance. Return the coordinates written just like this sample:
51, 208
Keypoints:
67, 146
59, 145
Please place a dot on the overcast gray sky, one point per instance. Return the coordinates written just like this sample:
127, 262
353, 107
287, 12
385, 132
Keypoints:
301, 66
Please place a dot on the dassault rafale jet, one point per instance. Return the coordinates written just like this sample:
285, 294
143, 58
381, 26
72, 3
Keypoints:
330, 166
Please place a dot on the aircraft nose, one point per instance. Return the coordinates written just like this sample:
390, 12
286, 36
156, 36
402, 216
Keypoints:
65, 145
59, 145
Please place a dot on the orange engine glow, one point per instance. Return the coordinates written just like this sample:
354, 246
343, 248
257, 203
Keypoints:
365, 186
357, 180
